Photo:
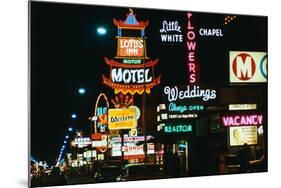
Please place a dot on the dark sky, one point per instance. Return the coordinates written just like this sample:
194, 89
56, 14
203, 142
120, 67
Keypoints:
67, 53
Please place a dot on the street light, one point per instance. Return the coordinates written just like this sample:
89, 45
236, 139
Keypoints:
73, 116
66, 136
70, 129
101, 31
81, 91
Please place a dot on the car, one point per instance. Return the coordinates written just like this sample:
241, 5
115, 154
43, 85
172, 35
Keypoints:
54, 177
108, 171
140, 171
108, 174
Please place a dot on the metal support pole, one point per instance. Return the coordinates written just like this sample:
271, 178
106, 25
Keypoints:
122, 144
144, 105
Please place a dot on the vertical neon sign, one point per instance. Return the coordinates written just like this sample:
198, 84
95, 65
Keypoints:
192, 65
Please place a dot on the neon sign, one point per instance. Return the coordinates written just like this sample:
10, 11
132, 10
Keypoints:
241, 120
168, 27
173, 93
130, 47
177, 128
132, 61
192, 65
135, 74
210, 32
173, 107
100, 117
131, 75
81, 142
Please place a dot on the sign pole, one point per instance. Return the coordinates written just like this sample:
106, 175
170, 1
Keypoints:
144, 106
122, 144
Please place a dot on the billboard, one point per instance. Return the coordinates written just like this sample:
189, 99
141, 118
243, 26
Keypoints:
238, 136
247, 67
122, 118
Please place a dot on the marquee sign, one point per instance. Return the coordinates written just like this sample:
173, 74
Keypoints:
135, 74
122, 118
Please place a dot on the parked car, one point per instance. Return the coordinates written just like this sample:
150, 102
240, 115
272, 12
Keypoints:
54, 177
108, 174
141, 171
108, 171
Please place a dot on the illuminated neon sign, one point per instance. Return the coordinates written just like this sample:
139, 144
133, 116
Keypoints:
241, 120
168, 29
174, 94
173, 107
131, 75
192, 65
210, 32
81, 142
135, 74
100, 117
130, 47
177, 128
132, 61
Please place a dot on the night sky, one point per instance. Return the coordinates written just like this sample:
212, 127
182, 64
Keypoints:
67, 53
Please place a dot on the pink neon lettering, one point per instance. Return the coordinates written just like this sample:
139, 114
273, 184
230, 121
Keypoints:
242, 120
191, 46
191, 67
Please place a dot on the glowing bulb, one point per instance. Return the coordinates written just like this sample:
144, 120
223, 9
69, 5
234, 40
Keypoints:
82, 91
101, 30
